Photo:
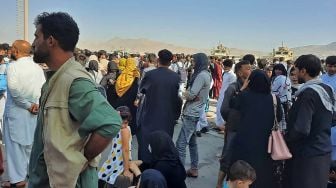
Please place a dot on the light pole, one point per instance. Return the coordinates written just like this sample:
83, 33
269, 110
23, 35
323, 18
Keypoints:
26, 20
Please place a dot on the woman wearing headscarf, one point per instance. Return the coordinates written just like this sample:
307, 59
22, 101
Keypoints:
126, 89
122, 64
255, 104
196, 97
93, 69
166, 159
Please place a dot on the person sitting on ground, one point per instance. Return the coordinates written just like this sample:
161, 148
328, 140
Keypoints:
118, 162
152, 179
166, 159
241, 175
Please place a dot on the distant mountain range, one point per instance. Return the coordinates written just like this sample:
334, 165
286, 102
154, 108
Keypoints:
143, 45
319, 50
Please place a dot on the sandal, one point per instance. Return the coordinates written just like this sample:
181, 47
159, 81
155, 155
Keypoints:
21, 184
5, 184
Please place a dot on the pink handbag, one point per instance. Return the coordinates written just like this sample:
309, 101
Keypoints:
276, 144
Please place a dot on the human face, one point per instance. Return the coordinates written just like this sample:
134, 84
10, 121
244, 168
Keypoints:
278, 72
240, 184
227, 69
245, 71
269, 73
40, 47
301, 75
294, 77
14, 53
331, 69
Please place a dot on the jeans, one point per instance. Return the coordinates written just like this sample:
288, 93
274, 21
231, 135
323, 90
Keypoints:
188, 137
202, 122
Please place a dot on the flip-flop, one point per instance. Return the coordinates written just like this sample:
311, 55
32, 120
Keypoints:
5, 184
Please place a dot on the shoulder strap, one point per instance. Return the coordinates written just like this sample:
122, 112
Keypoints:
275, 105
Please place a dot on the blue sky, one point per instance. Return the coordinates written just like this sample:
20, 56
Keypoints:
247, 24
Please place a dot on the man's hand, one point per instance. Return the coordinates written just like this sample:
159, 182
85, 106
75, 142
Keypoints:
136, 102
134, 167
128, 174
245, 85
34, 108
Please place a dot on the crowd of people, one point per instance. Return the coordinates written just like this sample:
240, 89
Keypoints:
61, 107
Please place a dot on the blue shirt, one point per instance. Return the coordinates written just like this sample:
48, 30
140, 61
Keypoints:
329, 80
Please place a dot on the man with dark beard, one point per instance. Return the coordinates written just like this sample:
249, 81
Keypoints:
309, 123
25, 80
75, 122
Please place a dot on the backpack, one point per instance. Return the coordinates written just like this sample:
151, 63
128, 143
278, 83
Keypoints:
182, 73
3, 80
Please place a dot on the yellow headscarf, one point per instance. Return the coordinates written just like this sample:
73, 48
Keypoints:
122, 64
126, 78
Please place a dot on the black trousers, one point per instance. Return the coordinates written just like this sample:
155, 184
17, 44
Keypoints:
226, 158
307, 172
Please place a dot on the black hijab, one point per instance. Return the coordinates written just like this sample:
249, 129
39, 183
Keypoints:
201, 63
152, 179
259, 82
93, 66
163, 148
112, 67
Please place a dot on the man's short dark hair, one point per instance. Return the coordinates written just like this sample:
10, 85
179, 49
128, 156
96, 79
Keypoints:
250, 58
269, 68
61, 26
311, 63
241, 170
102, 52
4, 47
165, 57
240, 64
262, 63
282, 59
331, 60
228, 62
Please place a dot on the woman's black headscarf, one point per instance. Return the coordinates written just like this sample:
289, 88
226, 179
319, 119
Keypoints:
112, 67
93, 66
152, 179
259, 82
201, 63
163, 148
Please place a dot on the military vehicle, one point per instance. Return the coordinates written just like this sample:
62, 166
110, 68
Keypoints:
220, 51
283, 52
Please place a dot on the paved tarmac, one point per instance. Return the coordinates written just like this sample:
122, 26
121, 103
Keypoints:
209, 145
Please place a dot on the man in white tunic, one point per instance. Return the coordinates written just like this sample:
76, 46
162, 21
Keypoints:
25, 80
228, 78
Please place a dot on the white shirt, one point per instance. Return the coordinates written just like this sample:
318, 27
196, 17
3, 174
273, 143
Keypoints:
281, 87
175, 66
25, 79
